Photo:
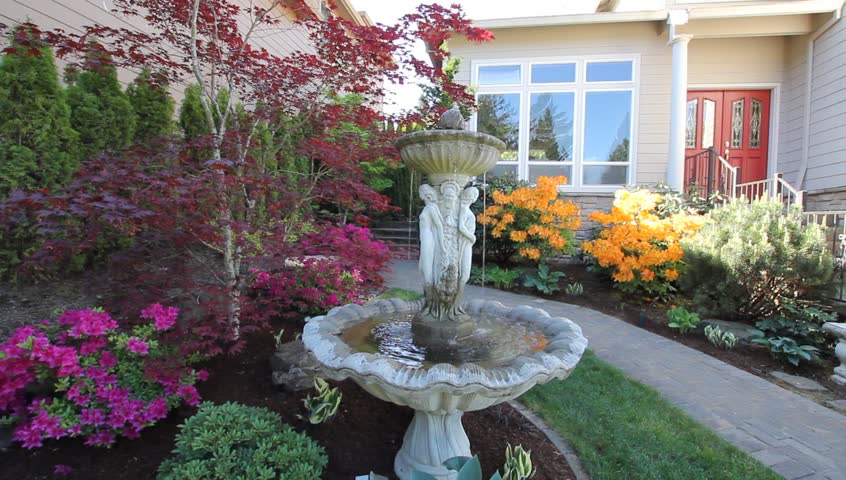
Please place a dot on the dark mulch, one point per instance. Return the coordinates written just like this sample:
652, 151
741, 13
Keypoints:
364, 436
601, 296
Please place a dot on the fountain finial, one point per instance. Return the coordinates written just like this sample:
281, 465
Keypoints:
452, 119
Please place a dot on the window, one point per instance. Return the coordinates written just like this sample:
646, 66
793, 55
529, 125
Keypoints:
572, 117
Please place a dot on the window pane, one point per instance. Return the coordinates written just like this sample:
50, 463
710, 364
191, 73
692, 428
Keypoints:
499, 115
708, 119
502, 169
609, 71
737, 123
690, 136
755, 124
554, 73
499, 75
536, 171
605, 174
607, 126
551, 126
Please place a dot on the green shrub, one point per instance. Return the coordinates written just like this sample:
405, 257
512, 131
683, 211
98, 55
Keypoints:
682, 320
38, 146
747, 257
101, 111
233, 441
152, 104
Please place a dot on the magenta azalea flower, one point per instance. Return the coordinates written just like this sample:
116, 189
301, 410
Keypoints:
61, 469
163, 317
136, 345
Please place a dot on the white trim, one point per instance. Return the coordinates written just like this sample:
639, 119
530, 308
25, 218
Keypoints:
775, 111
579, 88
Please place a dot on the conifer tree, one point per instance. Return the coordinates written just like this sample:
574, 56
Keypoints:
38, 147
152, 104
101, 111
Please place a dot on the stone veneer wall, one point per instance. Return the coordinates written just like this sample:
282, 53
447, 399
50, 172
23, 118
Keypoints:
828, 199
589, 203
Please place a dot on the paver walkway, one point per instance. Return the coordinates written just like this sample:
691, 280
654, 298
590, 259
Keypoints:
794, 436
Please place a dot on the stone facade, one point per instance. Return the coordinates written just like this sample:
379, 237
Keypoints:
589, 203
826, 200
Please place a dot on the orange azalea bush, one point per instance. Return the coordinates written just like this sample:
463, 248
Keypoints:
639, 248
534, 219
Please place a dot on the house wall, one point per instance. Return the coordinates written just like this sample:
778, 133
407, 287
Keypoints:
827, 136
72, 16
712, 62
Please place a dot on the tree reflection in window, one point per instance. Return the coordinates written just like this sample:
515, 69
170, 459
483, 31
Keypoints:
499, 116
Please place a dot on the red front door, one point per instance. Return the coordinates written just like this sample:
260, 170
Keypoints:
737, 121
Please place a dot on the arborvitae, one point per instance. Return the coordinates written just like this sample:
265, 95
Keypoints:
152, 104
101, 111
192, 117
38, 147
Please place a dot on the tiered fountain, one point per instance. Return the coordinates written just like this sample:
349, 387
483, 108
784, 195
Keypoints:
440, 356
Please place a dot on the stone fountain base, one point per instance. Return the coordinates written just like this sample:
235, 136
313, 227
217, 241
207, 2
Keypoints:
440, 393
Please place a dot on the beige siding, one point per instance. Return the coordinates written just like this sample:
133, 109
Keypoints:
711, 62
72, 16
827, 135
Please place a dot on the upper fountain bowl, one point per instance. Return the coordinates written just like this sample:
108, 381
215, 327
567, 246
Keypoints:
450, 154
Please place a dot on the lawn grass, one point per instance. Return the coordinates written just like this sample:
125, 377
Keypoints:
407, 295
624, 430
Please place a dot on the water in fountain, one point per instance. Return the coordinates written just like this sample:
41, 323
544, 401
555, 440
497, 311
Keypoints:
492, 343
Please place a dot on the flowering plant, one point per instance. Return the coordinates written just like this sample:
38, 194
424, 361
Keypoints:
534, 219
103, 382
311, 288
638, 247
353, 248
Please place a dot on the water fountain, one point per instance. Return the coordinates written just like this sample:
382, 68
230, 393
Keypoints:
441, 356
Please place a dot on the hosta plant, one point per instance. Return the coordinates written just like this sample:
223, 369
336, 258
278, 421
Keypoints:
785, 348
325, 404
679, 318
233, 441
501, 277
575, 289
518, 463
98, 382
544, 280
719, 338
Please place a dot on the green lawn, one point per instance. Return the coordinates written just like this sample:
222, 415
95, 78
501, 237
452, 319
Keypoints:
406, 295
624, 430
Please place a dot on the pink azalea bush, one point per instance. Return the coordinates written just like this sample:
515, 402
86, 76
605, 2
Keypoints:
104, 383
313, 288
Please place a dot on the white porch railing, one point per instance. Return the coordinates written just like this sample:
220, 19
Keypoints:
775, 188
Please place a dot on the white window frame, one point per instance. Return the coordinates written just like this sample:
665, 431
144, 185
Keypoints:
579, 87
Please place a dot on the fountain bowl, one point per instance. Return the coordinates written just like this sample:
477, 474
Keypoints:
450, 154
441, 392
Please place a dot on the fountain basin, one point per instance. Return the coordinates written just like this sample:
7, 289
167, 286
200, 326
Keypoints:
450, 154
440, 392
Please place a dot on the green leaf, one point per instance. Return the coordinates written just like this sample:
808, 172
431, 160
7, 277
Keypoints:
456, 463
472, 470
415, 475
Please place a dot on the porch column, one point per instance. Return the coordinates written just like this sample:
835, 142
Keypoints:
678, 103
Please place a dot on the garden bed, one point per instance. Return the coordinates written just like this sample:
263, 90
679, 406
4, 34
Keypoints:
601, 296
364, 436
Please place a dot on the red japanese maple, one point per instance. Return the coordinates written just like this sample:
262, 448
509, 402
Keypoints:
280, 143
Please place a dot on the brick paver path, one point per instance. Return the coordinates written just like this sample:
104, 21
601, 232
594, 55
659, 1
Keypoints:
794, 436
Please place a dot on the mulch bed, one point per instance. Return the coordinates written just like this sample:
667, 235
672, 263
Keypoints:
363, 437
601, 296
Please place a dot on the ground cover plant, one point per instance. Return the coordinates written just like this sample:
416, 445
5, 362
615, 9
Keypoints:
622, 429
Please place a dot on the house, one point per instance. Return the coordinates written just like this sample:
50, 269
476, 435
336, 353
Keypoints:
630, 96
72, 16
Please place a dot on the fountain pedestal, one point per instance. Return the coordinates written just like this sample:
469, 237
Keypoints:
429, 440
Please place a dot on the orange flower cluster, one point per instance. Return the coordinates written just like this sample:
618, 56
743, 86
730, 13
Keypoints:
534, 218
640, 249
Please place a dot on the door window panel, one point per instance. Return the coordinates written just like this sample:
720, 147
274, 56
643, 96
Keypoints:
755, 124
709, 117
737, 123
690, 134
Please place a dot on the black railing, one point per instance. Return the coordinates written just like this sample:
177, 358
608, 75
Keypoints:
701, 173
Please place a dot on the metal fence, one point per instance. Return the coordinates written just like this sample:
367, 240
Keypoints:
834, 223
